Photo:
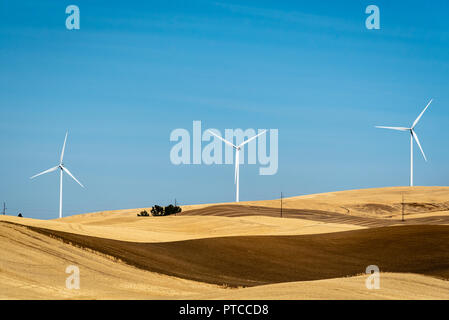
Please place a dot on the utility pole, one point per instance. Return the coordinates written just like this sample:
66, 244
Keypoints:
281, 203
403, 207
4, 208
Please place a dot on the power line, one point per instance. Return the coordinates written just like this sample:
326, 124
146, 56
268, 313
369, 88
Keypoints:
281, 203
176, 204
402, 207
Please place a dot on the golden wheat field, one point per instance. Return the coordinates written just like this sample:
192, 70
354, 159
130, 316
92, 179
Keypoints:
318, 249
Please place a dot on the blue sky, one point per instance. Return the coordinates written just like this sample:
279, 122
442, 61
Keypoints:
137, 70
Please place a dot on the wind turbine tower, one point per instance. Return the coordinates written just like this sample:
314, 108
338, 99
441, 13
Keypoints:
62, 169
237, 158
413, 136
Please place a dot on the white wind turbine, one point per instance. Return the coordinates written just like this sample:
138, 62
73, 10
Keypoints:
414, 136
237, 158
63, 169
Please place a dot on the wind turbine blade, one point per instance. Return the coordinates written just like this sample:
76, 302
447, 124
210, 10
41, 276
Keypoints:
44, 172
225, 141
63, 147
394, 128
250, 139
70, 174
419, 117
415, 136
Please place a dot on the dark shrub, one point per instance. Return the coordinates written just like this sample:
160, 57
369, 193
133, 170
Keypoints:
143, 213
171, 209
157, 210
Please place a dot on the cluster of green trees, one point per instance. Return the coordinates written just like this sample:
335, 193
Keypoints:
168, 210
161, 211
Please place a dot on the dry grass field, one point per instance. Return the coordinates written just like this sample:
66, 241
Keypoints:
319, 249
